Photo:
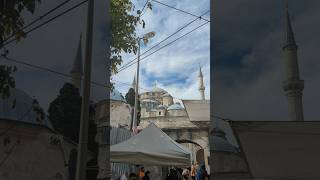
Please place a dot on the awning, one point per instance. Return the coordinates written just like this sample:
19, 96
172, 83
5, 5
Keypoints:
151, 147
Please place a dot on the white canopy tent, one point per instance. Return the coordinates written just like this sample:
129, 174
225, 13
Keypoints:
151, 147
280, 150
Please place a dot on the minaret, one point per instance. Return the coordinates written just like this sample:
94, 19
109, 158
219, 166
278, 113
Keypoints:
77, 69
293, 86
134, 82
201, 85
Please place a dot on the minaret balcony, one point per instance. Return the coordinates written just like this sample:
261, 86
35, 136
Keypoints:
291, 85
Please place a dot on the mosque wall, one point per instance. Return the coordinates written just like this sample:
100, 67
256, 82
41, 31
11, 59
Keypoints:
32, 152
120, 113
229, 166
177, 113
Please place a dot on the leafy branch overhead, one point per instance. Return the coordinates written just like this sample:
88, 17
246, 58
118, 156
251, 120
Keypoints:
11, 21
123, 30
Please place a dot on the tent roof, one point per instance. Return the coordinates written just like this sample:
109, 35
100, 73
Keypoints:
151, 147
283, 150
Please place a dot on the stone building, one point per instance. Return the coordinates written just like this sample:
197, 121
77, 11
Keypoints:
113, 118
183, 122
228, 161
31, 149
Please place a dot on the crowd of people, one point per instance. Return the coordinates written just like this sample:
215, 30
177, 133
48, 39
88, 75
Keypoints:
141, 175
195, 172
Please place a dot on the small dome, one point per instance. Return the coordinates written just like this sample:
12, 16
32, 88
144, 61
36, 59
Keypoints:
220, 142
175, 106
115, 95
23, 110
166, 95
159, 90
161, 107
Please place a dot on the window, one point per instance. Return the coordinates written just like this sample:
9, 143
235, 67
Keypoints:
159, 113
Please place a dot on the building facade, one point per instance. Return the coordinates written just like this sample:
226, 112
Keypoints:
31, 149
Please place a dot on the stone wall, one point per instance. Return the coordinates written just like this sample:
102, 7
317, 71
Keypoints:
32, 152
229, 166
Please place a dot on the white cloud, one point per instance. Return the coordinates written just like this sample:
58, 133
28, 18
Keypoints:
179, 60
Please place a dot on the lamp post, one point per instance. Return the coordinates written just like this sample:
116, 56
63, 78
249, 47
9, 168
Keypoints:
145, 39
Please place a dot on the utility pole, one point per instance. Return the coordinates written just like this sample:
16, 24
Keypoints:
84, 122
136, 93
145, 39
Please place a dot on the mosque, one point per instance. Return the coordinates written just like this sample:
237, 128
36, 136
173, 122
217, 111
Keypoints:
31, 149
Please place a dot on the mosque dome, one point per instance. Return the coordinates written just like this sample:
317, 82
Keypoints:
23, 110
115, 95
220, 142
161, 107
166, 95
175, 106
158, 90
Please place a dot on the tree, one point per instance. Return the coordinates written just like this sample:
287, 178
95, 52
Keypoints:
11, 21
11, 24
65, 113
130, 98
123, 30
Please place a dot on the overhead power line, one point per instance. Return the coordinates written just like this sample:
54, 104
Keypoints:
168, 44
61, 73
180, 29
180, 10
40, 18
46, 22
145, 5
47, 69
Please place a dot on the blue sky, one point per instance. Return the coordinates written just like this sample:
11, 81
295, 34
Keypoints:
54, 46
175, 68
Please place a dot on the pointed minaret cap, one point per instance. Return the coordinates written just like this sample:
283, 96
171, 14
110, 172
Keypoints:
288, 33
77, 64
134, 82
200, 71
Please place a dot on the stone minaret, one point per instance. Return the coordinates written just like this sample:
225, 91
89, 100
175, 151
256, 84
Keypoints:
201, 85
77, 69
293, 86
134, 82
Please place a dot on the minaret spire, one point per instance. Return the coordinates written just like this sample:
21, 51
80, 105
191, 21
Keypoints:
293, 86
201, 85
134, 82
288, 33
77, 69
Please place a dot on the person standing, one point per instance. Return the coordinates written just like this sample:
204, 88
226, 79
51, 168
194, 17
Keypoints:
193, 172
146, 176
124, 176
141, 173
186, 175
200, 172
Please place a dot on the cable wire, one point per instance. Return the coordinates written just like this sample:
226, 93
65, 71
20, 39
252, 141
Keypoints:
47, 69
141, 12
46, 22
168, 44
180, 29
180, 10
40, 18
